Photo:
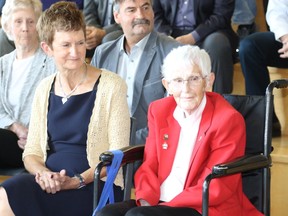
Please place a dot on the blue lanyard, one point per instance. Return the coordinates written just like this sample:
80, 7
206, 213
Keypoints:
112, 170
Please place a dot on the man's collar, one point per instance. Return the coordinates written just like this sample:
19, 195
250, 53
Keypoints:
141, 44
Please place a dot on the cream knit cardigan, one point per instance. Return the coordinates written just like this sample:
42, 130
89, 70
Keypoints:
109, 126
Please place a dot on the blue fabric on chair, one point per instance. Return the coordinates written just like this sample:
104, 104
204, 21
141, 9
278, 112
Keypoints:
112, 171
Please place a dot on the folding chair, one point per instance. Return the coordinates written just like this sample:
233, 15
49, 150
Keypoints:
255, 165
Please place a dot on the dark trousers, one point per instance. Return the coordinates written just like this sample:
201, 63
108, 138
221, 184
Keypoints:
256, 52
10, 154
129, 208
221, 53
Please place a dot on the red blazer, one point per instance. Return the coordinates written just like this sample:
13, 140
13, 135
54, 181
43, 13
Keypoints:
221, 138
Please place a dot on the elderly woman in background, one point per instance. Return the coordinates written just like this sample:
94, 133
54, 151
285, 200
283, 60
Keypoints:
20, 72
77, 113
7, 45
189, 132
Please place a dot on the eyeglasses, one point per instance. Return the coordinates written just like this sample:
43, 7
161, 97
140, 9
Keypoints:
192, 81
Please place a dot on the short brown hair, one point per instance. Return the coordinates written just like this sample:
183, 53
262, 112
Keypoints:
61, 16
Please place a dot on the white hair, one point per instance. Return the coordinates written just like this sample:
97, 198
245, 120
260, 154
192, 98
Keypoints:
13, 5
186, 56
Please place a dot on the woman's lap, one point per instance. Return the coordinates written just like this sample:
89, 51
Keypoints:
27, 198
129, 208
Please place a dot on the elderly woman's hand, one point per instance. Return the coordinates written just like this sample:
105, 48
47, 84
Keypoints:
144, 202
21, 132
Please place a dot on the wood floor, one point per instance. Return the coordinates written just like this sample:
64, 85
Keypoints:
3, 178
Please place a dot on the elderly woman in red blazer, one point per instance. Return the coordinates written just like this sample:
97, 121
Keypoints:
189, 132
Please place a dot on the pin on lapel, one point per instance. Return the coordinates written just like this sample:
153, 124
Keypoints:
165, 145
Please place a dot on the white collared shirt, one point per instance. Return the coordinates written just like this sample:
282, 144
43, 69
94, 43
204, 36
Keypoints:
277, 16
174, 183
128, 65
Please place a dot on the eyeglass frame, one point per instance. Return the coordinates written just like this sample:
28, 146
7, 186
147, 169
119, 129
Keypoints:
179, 82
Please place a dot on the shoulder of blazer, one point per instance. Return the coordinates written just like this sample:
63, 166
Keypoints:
161, 43
106, 48
218, 105
163, 106
166, 42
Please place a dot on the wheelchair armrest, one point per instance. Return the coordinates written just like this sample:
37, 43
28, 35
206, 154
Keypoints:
242, 164
280, 83
131, 154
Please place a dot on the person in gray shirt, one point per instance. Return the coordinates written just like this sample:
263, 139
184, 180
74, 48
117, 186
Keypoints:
20, 72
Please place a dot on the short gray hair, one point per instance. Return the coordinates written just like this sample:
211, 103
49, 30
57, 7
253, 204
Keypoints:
13, 5
186, 55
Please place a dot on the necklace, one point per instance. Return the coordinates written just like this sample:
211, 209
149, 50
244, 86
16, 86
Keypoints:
67, 96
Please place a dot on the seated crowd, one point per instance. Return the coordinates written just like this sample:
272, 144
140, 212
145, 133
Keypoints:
154, 60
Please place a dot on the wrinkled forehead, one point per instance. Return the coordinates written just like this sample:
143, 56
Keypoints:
133, 1
23, 11
183, 71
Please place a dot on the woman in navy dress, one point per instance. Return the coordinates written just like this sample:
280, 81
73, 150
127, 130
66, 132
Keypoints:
77, 113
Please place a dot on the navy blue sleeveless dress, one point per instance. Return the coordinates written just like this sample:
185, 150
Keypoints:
67, 132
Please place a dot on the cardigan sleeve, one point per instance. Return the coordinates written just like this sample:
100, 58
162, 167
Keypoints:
109, 127
5, 112
37, 135
119, 121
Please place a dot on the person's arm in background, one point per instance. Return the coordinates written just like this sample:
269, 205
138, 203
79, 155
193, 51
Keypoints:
277, 17
8, 123
94, 31
220, 18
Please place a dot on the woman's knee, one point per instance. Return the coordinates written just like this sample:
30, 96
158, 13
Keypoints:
3, 195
